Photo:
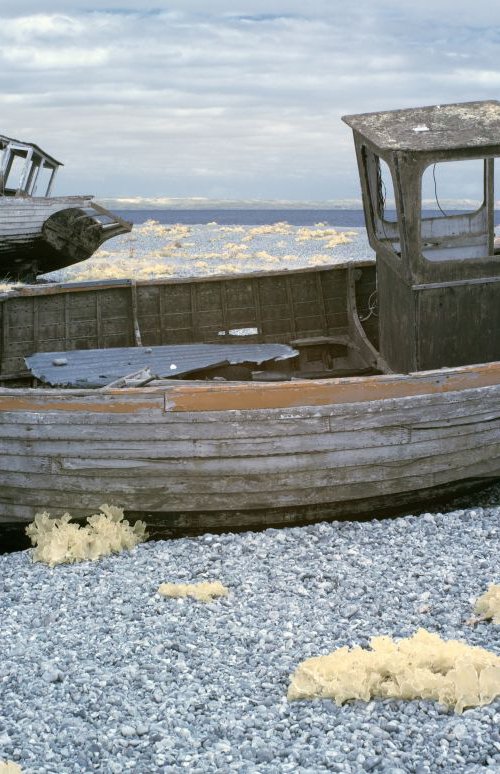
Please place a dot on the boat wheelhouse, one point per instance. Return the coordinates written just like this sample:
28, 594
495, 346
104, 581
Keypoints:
438, 277
25, 169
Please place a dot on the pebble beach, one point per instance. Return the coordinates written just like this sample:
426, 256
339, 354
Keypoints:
154, 249
101, 673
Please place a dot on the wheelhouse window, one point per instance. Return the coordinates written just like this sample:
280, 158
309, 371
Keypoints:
386, 193
25, 170
380, 184
42, 178
457, 230
14, 173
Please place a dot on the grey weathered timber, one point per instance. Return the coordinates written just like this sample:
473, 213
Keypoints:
209, 454
350, 456
114, 313
433, 128
40, 233
438, 278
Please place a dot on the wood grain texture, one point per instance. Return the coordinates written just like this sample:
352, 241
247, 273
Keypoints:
43, 234
80, 451
21, 220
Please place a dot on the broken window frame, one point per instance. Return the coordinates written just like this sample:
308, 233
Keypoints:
386, 233
477, 224
34, 162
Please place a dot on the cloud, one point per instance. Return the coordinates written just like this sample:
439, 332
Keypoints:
31, 58
41, 25
228, 101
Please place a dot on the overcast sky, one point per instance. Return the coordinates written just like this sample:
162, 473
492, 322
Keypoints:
222, 99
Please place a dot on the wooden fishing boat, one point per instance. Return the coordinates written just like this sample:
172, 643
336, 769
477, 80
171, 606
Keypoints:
41, 233
131, 392
202, 453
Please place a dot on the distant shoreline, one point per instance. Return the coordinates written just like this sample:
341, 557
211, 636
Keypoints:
173, 203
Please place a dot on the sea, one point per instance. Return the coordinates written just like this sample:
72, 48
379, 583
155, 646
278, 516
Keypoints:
337, 218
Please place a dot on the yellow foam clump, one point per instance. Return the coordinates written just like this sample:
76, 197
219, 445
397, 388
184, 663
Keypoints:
233, 247
488, 604
154, 228
118, 265
227, 268
330, 236
205, 591
420, 667
9, 767
318, 259
229, 229
56, 541
274, 228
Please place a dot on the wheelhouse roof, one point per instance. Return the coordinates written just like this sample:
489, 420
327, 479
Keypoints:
434, 128
4, 141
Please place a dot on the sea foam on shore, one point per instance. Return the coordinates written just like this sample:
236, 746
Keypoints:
156, 250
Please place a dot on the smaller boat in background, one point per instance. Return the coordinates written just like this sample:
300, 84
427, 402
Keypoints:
39, 232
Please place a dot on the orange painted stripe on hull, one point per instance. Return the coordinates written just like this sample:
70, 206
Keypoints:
49, 402
205, 396
224, 397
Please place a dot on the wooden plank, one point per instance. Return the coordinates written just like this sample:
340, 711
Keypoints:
67, 426
35, 324
98, 318
91, 473
28, 463
224, 291
180, 520
13, 512
152, 428
36, 407
291, 310
212, 440
195, 333
278, 432
136, 331
169, 459
145, 496
105, 403
249, 395
135, 379
162, 313
5, 338
176, 448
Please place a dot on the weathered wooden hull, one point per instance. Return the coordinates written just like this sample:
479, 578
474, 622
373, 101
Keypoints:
39, 234
202, 455
198, 455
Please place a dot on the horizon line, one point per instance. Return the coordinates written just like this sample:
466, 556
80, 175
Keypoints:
199, 203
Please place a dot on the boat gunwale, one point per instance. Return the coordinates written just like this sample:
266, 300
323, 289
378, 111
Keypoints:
87, 285
198, 396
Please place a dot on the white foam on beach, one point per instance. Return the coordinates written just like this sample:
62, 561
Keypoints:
153, 250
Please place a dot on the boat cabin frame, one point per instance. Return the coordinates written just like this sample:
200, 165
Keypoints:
438, 278
20, 166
